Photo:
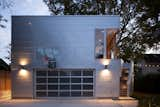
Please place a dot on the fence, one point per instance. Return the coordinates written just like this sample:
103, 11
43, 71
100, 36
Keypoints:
5, 85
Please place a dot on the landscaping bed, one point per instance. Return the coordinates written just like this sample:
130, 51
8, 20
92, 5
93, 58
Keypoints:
147, 100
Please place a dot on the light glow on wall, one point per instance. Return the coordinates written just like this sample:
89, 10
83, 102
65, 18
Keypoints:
23, 61
105, 61
23, 73
124, 87
106, 75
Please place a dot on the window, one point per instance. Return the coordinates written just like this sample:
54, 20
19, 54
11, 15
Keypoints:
99, 43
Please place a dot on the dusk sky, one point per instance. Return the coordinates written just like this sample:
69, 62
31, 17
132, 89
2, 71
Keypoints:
21, 7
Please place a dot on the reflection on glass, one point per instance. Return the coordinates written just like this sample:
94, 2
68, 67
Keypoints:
99, 43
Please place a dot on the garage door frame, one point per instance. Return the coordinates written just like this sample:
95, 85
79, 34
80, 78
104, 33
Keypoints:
83, 84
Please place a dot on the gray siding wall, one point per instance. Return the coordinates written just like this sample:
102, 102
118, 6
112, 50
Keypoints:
73, 36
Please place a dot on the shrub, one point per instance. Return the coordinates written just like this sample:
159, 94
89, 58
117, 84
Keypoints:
149, 83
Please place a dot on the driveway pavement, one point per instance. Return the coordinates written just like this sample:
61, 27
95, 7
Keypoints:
67, 103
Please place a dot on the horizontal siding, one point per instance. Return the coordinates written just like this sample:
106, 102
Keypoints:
74, 37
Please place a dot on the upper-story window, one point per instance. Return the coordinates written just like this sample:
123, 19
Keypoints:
105, 43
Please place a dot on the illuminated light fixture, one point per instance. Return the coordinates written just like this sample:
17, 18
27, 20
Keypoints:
105, 66
105, 61
105, 74
22, 66
23, 72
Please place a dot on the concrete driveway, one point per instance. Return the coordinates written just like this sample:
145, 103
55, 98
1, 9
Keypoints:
67, 103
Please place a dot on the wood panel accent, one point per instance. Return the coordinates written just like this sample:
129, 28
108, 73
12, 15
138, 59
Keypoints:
5, 84
111, 43
123, 83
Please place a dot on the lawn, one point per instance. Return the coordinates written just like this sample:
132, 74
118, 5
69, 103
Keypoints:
147, 100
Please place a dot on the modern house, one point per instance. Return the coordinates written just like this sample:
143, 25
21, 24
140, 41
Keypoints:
67, 56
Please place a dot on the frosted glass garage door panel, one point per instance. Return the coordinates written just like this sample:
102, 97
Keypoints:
64, 83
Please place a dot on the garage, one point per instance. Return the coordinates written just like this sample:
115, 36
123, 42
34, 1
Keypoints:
64, 83
71, 42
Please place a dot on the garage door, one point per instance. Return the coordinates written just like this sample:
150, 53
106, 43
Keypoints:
64, 83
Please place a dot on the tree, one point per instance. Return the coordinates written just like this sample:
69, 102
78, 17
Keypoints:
8, 57
2, 19
149, 22
132, 41
3, 5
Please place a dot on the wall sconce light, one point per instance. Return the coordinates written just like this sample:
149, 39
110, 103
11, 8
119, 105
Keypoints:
105, 66
23, 72
105, 74
105, 62
22, 67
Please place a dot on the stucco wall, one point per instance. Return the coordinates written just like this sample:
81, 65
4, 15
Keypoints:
72, 36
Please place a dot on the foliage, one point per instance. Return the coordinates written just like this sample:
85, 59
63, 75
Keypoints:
152, 81
149, 21
132, 41
2, 19
8, 57
147, 100
3, 5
